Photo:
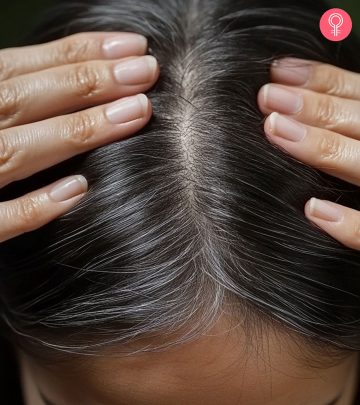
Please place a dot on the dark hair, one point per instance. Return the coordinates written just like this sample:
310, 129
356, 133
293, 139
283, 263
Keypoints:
197, 214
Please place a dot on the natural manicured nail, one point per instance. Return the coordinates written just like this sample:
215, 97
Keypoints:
127, 109
291, 71
282, 100
136, 71
68, 188
325, 210
125, 45
286, 128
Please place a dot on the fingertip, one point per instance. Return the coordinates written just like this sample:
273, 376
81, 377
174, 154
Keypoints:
270, 123
124, 44
153, 66
289, 70
325, 211
148, 110
67, 188
261, 98
309, 207
145, 103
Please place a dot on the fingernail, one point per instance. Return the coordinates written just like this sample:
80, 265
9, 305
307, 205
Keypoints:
291, 71
136, 71
127, 109
279, 99
286, 128
125, 45
68, 188
325, 210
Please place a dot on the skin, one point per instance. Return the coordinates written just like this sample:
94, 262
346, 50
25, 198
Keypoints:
36, 132
217, 368
329, 115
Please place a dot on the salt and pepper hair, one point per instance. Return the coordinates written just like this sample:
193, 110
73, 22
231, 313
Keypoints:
198, 214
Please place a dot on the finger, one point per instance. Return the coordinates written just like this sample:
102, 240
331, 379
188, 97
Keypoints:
328, 151
72, 49
35, 209
316, 76
329, 112
27, 149
30, 97
340, 222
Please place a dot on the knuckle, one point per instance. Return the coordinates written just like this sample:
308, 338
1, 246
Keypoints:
7, 154
332, 79
10, 101
75, 48
329, 149
85, 79
325, 111
27, 213
80, 129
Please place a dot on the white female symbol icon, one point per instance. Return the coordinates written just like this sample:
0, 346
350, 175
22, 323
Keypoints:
330, 24
339, 21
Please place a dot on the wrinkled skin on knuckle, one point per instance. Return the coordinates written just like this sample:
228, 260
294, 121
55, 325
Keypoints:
27, 214
75, 48
341, 115
86, 80
10, 101
325, 112
9, 161
6, 152
79, 129
329, 151
333, 82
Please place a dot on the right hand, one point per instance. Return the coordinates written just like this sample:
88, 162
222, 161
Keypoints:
39, 86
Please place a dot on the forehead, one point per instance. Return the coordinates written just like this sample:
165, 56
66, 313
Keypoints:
221, 366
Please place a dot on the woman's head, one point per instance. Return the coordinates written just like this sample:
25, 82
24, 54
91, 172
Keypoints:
197, 221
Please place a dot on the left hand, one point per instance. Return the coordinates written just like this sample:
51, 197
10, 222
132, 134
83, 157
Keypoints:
319, 124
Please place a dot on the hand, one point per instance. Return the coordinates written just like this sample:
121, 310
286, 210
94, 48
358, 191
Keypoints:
41, 83
319, 124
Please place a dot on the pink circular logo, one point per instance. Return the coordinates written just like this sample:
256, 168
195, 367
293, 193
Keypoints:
336, 24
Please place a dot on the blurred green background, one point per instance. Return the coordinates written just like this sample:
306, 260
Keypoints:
17, 17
